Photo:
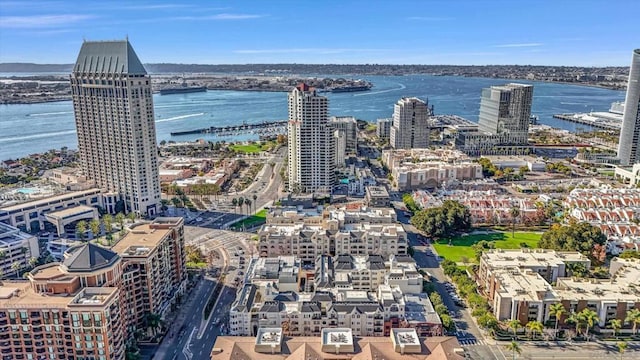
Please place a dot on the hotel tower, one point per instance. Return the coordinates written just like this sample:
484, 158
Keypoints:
629, 143
113, 105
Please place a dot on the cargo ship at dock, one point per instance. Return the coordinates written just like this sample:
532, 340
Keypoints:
347, 88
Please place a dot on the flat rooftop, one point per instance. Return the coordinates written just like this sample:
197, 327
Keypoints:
72, 211
143, 238
500, 258
524, 286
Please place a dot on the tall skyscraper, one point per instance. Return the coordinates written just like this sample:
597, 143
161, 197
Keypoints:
410, 128
113, 106
311, 144
506, 110
629, 143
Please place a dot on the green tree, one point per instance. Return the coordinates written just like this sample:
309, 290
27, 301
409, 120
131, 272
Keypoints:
577, 319
247, 202
164, 205
582, 237
514, 212
633, 316
108, 223
591, 318
176, 201
488, 321
534, 327
120, 220
131, 216
33, 262
81, 228
514, 348
94, 225
556, 310
435, 298
622, 347
616, 325
447, 322
514, 324
234, 201
15, 267
240, 203
153, 322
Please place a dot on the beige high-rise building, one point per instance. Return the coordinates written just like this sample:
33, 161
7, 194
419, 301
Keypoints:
311, 143
629, 144
113, 105
410, 128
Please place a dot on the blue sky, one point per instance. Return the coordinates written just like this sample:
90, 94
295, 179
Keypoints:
477, 32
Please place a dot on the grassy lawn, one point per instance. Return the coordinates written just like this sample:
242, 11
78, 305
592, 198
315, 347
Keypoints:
461, 246
250, 148
259, 218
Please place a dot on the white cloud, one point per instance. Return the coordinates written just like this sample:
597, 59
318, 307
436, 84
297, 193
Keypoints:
518, 45
222, 17
41, 21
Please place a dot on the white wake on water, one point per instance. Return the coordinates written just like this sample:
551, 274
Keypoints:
402, 86
179, 117
37, 136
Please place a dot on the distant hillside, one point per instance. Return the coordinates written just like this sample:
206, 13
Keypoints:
30, 68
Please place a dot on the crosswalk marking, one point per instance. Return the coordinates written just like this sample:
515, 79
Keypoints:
469, 342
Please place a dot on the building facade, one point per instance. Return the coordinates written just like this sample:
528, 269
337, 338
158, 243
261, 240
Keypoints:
349, 126
383, 129
629, 144
17, 248
113, 106
410, 127
310, 142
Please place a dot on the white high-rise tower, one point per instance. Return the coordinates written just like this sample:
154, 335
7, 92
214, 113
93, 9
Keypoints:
311, 145
410, 128
629, 144
113, 105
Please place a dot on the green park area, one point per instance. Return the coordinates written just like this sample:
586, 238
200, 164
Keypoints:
259, 218
252, 148
458, 248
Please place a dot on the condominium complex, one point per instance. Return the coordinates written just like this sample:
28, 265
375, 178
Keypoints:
113, 106
309, 233
16, 249
519, 286
105, 292
629, 144
311, 158
368, 294
336, 343
425, 168
349, 126
410, 127
505, 112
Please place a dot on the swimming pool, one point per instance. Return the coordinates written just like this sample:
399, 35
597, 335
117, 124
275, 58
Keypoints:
28, 190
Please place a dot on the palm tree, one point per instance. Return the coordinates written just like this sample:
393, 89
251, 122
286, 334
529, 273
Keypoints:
153, 322
576, 318
33, 261
633, 316
248, 203
81, 228
164, 205
255, 198
591, 318
108, 223
514, 324
514, 348
120, 219
534, 326
240, 203
15, 267
515, 213
176, 201
556, 310
622, 346
94, 225
616, 325
131, 216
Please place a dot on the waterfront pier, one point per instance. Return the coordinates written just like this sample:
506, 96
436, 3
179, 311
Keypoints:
261, 128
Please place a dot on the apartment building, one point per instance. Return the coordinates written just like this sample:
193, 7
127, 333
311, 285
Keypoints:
525, 292
16, 248
425, 168
629, 144
106, 292
349, 127
154, 270
410, 128
377, 196
334, 230
113, 107
311, 148
383, 129
43, 316
336, 343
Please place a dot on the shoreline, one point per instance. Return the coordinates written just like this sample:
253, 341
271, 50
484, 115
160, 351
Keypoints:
68, 98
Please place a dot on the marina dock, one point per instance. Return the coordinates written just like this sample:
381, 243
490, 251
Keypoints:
262, 127
599, 120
